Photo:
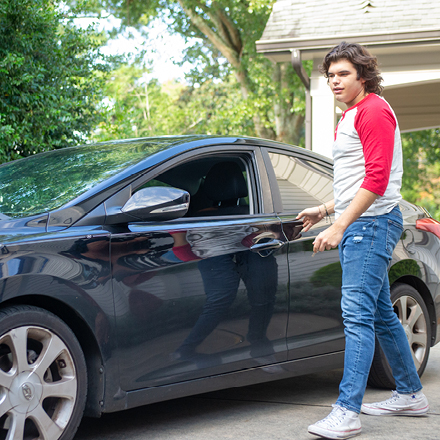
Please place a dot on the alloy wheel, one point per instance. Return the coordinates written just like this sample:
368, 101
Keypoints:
38, 384
411, 316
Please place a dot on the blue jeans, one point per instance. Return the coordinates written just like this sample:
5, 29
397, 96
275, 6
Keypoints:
365, 253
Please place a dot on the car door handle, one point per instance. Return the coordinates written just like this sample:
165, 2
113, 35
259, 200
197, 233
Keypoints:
272, 244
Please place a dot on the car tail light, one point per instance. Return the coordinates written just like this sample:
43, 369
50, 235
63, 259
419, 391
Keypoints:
429, 225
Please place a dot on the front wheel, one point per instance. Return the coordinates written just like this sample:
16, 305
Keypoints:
43, 378
414, 316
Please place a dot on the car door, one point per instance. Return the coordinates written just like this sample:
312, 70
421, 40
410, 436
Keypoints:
315, 323
207, 293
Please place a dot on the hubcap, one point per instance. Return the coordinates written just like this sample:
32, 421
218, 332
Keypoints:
25, 392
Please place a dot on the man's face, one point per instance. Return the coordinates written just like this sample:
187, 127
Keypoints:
342, 78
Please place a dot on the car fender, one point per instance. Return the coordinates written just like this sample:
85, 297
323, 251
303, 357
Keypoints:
424, 280
86, 318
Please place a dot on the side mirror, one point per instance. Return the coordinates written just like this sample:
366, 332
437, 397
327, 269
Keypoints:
158, 203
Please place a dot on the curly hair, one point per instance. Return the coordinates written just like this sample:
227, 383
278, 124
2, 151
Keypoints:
365, 64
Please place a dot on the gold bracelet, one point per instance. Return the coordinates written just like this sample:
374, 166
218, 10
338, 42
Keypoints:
325, 207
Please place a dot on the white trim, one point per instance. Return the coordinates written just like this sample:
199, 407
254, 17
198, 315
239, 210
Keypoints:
393, 80
413, 39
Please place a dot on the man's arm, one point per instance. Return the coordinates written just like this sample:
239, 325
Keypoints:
313, 215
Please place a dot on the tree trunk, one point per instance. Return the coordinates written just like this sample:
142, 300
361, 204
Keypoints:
288, 125
228, 41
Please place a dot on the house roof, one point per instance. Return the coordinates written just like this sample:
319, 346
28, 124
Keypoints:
403, 34
315, 24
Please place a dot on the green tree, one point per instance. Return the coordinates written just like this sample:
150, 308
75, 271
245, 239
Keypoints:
223, 35
51, 74
136, 107
421, 182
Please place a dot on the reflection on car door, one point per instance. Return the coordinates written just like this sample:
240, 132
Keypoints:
193, 299
315, 322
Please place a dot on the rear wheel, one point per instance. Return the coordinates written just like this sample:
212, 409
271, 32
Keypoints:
413, 314
43, 379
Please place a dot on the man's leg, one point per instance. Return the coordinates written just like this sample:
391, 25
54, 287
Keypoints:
394, 343
408, 398
364, 268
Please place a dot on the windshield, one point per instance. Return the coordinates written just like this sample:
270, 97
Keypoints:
49, 180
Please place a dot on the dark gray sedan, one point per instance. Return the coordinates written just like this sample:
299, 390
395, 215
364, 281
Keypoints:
138, 271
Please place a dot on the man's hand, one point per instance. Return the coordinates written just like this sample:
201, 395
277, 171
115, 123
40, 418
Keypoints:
311, 216
328, 239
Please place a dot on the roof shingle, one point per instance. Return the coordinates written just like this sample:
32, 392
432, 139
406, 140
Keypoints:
310, 19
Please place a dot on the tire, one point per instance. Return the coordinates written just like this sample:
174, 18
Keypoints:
43, 377
413, 314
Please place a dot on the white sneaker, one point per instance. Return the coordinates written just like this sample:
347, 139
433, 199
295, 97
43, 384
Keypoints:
399, 405
339, 424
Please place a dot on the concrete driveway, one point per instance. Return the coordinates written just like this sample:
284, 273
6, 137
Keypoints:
275, 410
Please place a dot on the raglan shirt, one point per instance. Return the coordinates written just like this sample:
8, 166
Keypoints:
367, 153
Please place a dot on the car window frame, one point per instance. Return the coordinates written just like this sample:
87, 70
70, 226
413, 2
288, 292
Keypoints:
257, 179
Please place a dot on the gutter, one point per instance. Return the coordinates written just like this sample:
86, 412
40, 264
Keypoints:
324, 42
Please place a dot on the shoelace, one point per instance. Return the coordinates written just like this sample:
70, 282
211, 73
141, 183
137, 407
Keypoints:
394, 398
335, 417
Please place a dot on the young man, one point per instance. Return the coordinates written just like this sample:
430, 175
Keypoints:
367, 156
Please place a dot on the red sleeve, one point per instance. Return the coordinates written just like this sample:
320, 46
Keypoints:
376, 127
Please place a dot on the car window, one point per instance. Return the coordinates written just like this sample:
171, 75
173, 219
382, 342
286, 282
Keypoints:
302, 183
218, 185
